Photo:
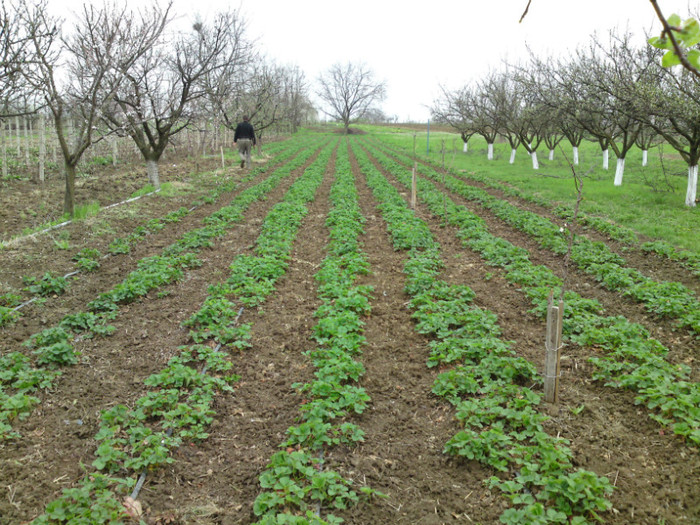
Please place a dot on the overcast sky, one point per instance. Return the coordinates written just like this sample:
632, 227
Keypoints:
418, 46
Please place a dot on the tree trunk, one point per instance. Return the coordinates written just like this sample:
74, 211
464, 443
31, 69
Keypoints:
575, 155
535, 164
606, 158
644, 157
69, 196
490, 151
551, 154
512, 155
691, 194
619, 171
153, 175
464, 149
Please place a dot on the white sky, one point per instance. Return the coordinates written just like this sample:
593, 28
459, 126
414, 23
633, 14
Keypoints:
416, 46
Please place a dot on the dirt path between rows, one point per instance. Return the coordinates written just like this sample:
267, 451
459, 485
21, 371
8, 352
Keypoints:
59, 434
653, 472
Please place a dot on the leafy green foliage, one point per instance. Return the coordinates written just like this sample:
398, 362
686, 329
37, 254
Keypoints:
686, 34
503, 429
48, 284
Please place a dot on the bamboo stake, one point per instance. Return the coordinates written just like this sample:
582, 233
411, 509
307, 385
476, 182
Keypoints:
414, 186
552, 346
42, 148
3, 139
223, 164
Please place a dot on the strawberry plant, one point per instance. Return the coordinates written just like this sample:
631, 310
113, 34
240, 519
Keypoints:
630, 363
503, 429
48, 284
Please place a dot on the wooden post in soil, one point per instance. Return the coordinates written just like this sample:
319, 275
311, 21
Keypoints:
42, 148
414, 186
555, 316
223, 164
442, 153
3, 140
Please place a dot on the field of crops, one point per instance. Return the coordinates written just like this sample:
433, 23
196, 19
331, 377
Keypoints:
296, 344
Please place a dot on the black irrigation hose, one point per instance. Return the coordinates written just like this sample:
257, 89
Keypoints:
105, 256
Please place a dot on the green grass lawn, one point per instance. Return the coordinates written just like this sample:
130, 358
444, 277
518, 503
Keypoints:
650, 200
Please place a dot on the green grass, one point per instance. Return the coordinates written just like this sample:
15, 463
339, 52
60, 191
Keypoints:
83, 211
644, 202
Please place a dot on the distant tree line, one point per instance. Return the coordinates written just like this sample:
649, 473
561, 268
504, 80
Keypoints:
611, 92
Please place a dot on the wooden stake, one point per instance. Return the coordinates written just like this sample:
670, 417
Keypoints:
223, 164
552, 345
414, 187
42, 148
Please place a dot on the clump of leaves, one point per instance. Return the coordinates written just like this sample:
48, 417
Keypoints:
47, 285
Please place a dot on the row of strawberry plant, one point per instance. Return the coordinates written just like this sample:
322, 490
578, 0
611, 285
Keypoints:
88, 259
633, 360
295, 478
666, 299
53, 345
502, 427
179, 406
281, 151
689, 259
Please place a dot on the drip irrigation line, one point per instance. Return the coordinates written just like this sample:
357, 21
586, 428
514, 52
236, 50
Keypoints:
71, 274
16, 240
169, 432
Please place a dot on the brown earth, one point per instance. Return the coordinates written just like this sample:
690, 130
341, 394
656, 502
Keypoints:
406, 427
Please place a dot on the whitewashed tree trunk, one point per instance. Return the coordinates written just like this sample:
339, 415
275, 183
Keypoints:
575, 155
606, 159
645, 157
490, 152
535, 164
153, 175
512, 155
692, 192
42, 148
619, 171
464, 148
3, 139
551, 154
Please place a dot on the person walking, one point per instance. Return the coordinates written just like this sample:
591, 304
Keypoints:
244, 138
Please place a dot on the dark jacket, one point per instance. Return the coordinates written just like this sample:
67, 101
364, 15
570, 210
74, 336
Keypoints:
244, 130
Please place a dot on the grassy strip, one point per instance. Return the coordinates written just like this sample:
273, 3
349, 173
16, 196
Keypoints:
502, 427
295, 479
52, 346
687, 258
666, 299
633, 360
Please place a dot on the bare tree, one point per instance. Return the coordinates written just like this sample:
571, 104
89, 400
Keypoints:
454, 108
71, 74
349, 90
14, 42
296, 97
158, 97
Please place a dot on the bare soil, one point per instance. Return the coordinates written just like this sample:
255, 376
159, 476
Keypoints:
406, 427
